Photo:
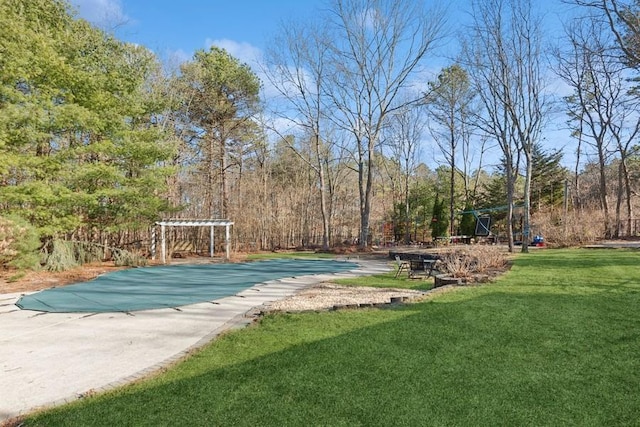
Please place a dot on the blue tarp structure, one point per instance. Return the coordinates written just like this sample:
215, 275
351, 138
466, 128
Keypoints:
171, 286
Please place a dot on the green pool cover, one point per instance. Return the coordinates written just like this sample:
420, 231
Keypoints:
171, 286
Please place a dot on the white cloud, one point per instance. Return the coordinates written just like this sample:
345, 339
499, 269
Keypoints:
558, 87
106, 14
282, 126
173, 59
245, 52
250, 55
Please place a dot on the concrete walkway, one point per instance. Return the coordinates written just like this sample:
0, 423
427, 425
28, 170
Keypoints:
48, 359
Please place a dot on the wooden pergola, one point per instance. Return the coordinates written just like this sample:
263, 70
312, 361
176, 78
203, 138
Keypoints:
212, 223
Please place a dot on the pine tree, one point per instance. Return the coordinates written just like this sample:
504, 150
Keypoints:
78, 149
548, 177
439, 220
468, 221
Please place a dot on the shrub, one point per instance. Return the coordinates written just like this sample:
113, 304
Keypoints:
62, 256
86, 252
464, 263
488, 258
468, 221
19, 243
66, 254
457, 264
578, 228
124, 258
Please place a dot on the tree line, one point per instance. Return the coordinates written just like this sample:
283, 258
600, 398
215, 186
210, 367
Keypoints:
326, 143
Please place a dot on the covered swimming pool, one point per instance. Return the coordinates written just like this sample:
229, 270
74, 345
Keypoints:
171, 286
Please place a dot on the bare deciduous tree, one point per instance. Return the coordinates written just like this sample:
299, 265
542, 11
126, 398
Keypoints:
296, 65
403, 136
599, 105
505, 60
622, 17
376, 46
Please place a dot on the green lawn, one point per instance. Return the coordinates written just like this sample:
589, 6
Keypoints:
556, 341
387, 280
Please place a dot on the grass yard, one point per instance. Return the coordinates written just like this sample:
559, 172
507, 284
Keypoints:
556, 341
387, 280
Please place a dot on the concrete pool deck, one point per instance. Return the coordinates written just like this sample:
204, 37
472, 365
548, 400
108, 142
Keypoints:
47, 359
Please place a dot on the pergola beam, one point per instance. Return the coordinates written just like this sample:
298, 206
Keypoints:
193, 223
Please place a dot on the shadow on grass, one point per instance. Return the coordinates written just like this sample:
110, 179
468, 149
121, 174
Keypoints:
483, 356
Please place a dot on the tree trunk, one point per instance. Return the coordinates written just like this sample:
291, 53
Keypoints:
604, 199
627, 186
619, 195
452, 187
323, 195
366, 211
407, 233
210, 178
527, 203
224, 195
365, 203
510, 194
323, 209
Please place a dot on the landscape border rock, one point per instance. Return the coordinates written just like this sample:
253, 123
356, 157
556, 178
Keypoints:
328, 296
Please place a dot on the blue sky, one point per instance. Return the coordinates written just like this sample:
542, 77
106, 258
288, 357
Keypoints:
179, 28
183, 26
175, 29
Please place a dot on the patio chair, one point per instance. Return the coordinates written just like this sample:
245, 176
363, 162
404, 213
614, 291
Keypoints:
402, 266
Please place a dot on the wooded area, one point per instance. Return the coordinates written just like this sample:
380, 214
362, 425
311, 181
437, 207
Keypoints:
352, 145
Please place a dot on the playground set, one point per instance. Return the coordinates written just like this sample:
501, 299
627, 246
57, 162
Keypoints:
489, 229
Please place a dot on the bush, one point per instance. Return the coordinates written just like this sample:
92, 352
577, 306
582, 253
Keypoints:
489, 258
122, 258
19, 244
579, 228
86, 252
456, 264
66, 254
464, 263
62, 256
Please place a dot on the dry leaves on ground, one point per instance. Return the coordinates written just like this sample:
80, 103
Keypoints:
38, 280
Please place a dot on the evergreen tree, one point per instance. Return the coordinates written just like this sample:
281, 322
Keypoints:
493, 194
221, 97
450, 103
548, 177
421, 203
468, 222
78, 149
439, 219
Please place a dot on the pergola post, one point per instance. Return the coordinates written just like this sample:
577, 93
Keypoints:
211, 245
164, 244
227, 241
153, 242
